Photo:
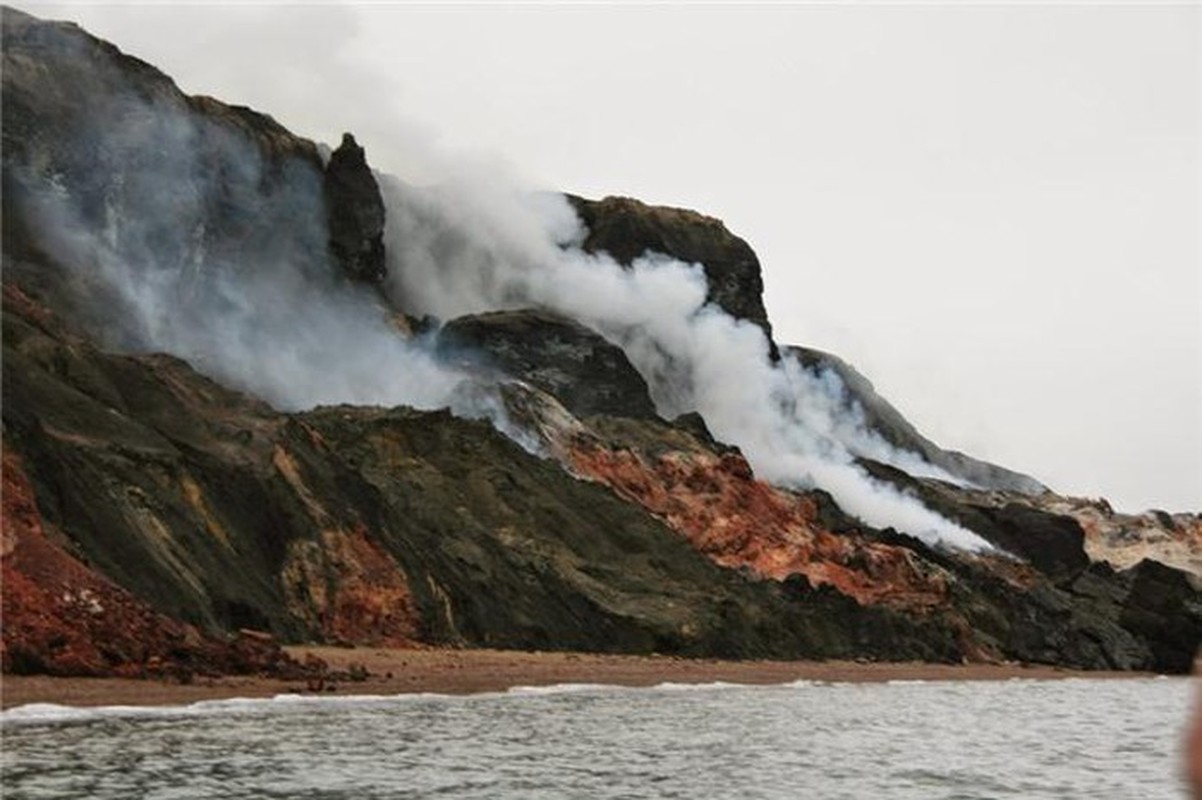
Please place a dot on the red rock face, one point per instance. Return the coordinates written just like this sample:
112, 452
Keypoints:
58, 614
344, 584
372, 604
356, 592
62, 618
739, 521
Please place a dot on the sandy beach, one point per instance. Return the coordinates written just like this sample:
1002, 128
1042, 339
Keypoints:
469, 671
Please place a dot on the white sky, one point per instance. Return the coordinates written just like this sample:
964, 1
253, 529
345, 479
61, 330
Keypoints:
991, 210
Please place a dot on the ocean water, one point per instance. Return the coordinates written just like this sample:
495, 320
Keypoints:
1020, 739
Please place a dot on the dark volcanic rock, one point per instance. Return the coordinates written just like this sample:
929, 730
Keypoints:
356, 213
1054, 544
587, 374
1165, 608
626, 229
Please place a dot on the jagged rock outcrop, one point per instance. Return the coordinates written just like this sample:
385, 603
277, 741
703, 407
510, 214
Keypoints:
627, 229
587, 374
1164, 606
1052, 543
355, 212
1129, 622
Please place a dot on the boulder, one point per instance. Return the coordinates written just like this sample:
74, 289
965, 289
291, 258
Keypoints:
1052, 543
586, 373
1165, 608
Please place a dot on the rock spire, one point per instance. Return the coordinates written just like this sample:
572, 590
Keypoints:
355, 211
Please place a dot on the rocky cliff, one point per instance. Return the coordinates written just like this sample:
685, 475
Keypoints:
187, 456
627, 229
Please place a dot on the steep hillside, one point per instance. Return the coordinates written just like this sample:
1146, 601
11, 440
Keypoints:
370, 525
246, 390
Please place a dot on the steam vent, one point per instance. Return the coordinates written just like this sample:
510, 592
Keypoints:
356, 213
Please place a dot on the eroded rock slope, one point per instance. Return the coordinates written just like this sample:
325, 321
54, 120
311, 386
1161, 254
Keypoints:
152, 510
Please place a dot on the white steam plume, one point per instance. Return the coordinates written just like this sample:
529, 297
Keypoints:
227, 267
473, 246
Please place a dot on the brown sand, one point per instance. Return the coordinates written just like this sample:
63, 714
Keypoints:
468, 671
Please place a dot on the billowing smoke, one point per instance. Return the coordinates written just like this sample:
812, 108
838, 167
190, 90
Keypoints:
473, 246
204, 246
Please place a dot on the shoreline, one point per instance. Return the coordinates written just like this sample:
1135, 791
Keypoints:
460, 672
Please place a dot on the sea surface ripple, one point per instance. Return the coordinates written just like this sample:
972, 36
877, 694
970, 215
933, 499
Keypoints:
964, 740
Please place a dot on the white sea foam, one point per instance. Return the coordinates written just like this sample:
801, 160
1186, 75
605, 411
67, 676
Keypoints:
674, 686
49, 713
53, 713
565, 688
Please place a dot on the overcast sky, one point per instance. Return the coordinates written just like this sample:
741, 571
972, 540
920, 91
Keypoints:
992, 211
